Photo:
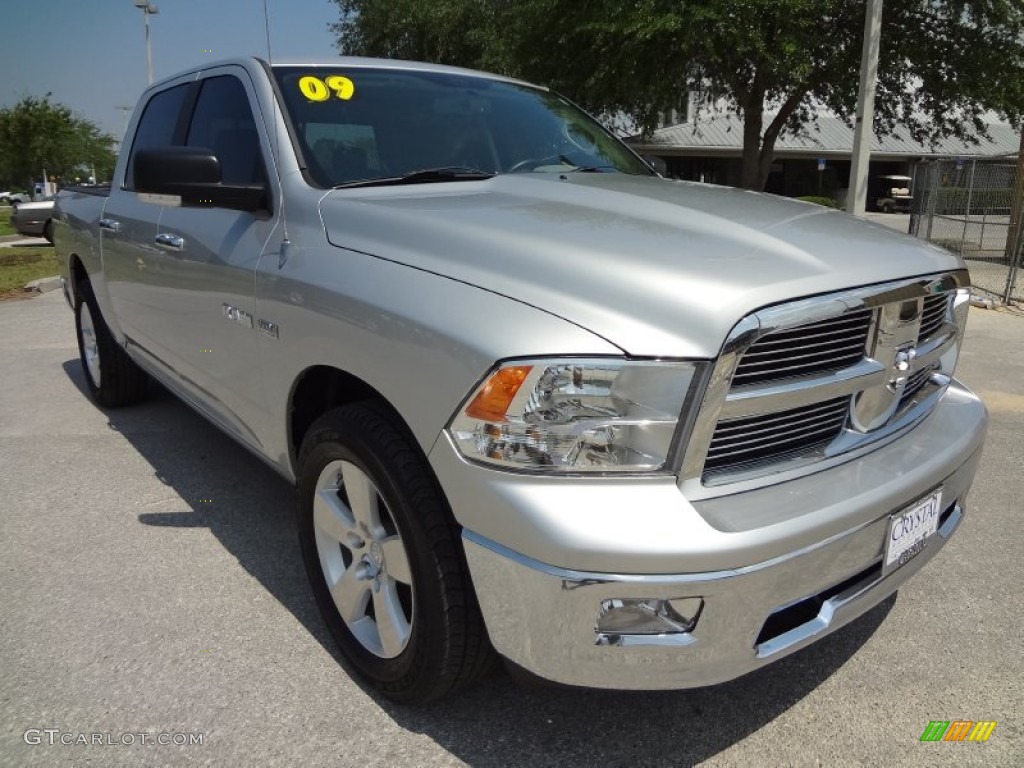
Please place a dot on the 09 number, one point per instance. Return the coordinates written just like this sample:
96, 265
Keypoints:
315, 89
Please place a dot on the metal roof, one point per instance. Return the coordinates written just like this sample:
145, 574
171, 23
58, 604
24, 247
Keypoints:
830, 135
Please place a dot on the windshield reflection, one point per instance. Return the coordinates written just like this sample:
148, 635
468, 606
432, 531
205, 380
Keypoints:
406, 126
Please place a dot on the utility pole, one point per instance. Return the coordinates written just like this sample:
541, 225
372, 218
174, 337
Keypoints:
857, 195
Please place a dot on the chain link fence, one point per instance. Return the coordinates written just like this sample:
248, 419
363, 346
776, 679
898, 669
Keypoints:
971, 207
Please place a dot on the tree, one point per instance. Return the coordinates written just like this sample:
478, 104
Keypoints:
456, 32
37, 134
943, 63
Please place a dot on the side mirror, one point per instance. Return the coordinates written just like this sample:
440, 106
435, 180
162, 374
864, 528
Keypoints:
194, 175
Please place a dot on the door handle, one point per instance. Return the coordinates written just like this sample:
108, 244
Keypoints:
111, 225
170, 242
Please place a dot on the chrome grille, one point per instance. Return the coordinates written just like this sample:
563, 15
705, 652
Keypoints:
914, 384
819, 347
755, 439
820, 379
933, 316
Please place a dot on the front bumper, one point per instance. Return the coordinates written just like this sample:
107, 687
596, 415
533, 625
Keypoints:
816, 568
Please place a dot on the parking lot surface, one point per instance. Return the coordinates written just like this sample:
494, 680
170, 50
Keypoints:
151, 590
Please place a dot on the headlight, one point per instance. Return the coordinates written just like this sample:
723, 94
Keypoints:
575, 415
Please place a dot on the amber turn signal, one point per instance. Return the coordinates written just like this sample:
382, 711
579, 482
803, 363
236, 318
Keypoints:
491, 403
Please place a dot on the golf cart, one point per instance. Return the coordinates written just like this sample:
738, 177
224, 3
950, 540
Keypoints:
894, 194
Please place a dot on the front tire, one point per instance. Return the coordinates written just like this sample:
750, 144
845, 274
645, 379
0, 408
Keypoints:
384, 557
112, 377
48, 231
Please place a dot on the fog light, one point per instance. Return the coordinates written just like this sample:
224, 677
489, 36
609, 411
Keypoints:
654, 616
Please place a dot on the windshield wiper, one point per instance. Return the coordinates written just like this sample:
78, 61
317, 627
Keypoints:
591, 168
425, 176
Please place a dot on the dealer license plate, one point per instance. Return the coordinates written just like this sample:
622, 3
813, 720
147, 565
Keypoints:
910, 530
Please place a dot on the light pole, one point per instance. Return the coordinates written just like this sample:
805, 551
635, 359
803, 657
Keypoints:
126, 112
857, 193
148, 9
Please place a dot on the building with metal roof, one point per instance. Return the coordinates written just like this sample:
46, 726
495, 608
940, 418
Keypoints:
815, 162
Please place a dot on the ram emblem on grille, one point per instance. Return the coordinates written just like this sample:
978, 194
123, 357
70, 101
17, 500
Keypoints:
901, 366
899, 324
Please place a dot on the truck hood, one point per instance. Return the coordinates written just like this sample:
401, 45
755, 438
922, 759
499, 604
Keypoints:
656, 267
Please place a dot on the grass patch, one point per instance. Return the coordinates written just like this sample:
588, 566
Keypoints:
5, 221
22, 265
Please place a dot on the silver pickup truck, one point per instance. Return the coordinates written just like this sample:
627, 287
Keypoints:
626, 432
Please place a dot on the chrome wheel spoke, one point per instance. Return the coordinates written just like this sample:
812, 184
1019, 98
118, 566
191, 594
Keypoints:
396, 562
362, 498
351, 594
332, 518
392, 625
361, 560
90, 347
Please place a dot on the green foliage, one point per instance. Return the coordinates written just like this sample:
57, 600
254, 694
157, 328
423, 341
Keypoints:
458, 32
827, 202
37, 134
942, 65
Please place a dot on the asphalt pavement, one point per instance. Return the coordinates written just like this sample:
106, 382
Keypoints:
151, 590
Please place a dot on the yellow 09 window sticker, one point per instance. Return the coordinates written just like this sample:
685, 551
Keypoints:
316, 89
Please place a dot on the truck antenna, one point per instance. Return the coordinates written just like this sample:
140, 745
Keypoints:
277, 146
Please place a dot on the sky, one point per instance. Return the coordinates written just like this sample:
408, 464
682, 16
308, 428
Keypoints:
90, 55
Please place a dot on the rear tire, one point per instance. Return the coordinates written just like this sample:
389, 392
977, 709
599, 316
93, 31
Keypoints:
48, 231
112, 377
384, 557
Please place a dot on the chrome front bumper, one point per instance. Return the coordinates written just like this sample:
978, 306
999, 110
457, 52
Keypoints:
544, 617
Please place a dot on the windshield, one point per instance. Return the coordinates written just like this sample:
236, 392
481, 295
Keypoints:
359, 124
